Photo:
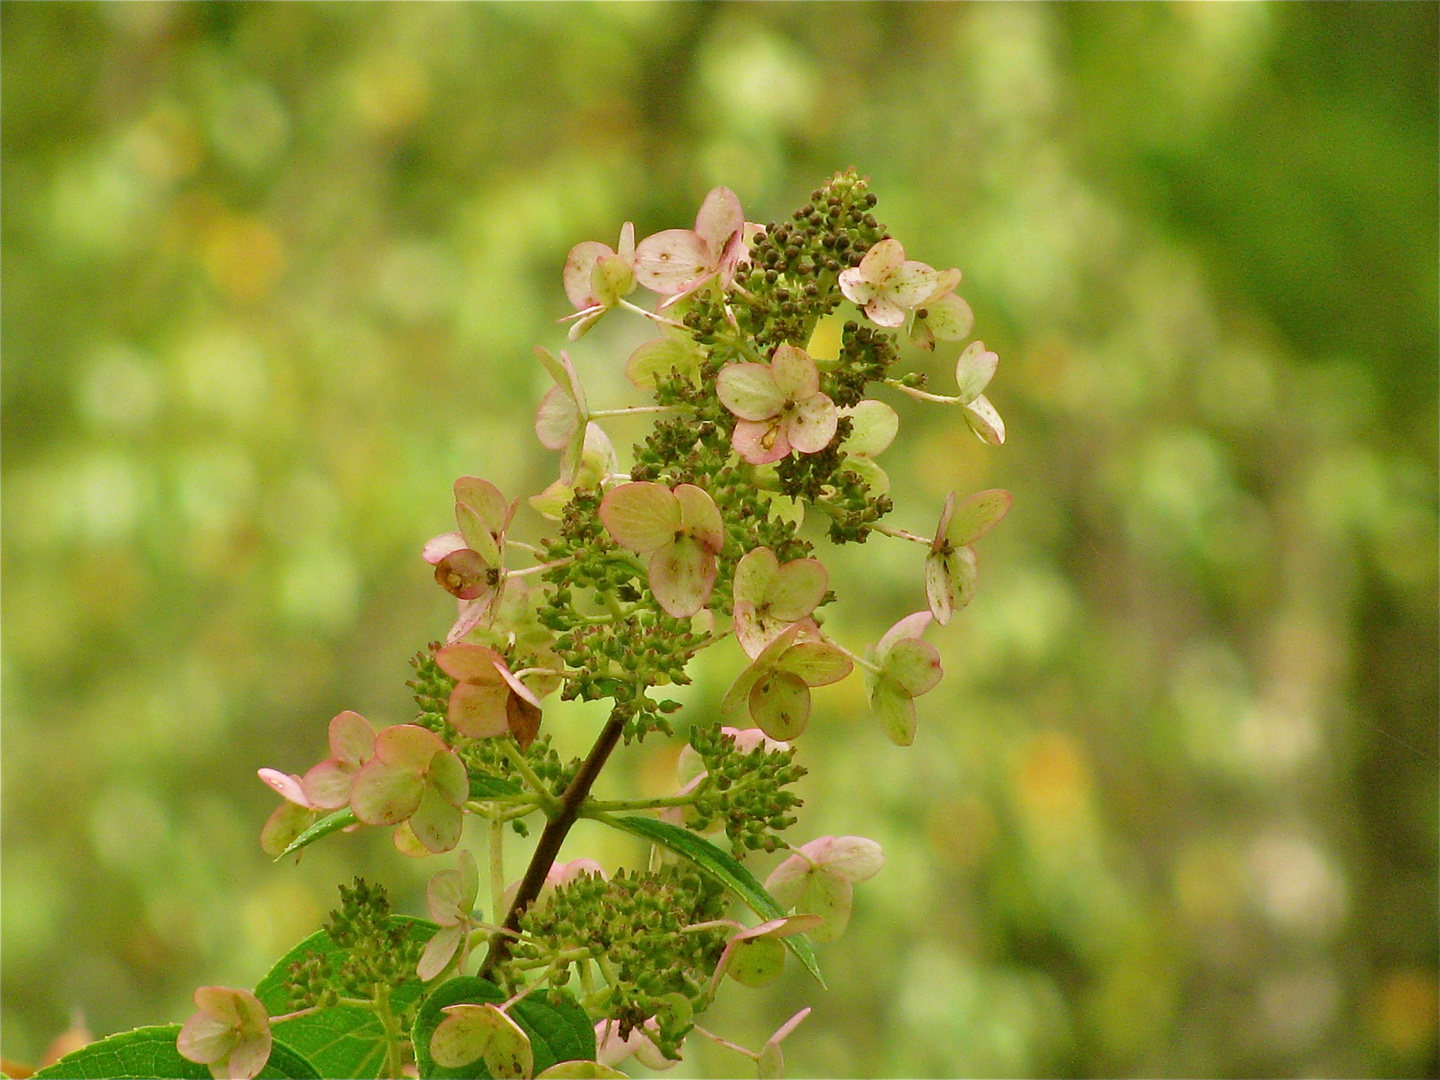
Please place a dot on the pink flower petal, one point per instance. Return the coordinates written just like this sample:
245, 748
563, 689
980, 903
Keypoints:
478, 710
810, 426
795, 375
719, 219
579, 265
438, 547
670, 261
911, 626
749, 391
700, 517
641, 516
286, 785
780, 704
407, 746
470, 663
385, 795
881, 261
760, 442
352, 739
883, 311
328, 784
682, 575
977, 515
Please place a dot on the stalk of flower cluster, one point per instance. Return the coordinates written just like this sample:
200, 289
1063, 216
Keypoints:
552, 837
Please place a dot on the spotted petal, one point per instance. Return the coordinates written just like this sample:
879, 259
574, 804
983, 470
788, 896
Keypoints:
682, 575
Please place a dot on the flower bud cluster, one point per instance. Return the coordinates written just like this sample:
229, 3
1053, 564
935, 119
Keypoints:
742, 790
638, 925
374, 954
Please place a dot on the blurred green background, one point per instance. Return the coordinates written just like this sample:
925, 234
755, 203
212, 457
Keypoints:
272, 274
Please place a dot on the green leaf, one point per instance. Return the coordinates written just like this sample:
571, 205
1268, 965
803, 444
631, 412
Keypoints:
347, 1040
324, 827
559, 1029
151, 1052
485, 786
724, 868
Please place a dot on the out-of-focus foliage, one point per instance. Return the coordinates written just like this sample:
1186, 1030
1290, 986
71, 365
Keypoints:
271, 277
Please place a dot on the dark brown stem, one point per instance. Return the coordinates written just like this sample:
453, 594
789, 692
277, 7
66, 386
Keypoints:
553, 835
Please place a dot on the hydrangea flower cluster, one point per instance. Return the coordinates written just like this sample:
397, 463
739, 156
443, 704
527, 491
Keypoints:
768, 340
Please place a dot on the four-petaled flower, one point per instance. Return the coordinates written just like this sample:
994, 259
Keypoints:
779, 405
904, 668
415, 778
596, 277
230, 1032
488, 699
682, 532
677, 262
818, 879
451, 899
775, 689
468, 563
769, 597
887, 285
950, 567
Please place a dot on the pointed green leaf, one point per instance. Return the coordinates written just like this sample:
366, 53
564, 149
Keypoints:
724, 868
150, 1051
324, 827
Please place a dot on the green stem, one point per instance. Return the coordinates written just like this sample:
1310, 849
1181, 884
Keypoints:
512, 751
497, 863
388, 1021
632, 410
922, 395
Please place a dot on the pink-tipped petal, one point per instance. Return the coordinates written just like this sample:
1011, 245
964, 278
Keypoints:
641, 516
750, 391
670, 261
579, 265
719, 219
287, 785
385, 795
760, 442
438, 547
810, 426
407, 746
882, 260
